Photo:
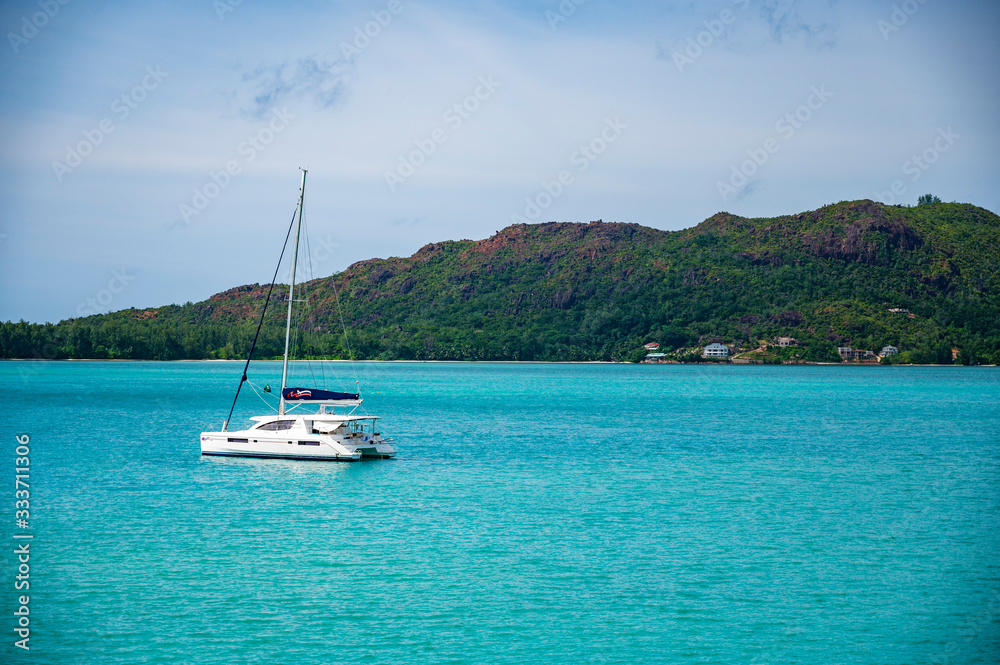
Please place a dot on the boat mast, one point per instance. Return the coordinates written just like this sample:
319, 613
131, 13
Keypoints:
291, 289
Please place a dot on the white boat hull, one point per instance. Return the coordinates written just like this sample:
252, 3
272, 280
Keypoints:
377, 451
245, 444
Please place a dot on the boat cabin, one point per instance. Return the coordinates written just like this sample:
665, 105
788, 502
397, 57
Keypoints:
335, 424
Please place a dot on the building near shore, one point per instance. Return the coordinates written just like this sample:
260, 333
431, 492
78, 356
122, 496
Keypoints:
716, 351
888, 351
847, 353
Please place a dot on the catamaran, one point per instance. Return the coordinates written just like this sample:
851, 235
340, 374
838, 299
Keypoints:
334, 432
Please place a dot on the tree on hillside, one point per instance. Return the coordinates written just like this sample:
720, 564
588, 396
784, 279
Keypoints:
927, 199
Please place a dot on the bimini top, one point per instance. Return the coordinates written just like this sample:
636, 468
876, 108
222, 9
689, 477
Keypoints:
315, 395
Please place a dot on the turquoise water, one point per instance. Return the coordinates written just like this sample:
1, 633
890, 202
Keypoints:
536, 513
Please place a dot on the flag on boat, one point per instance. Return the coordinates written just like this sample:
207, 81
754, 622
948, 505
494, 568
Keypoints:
315, 395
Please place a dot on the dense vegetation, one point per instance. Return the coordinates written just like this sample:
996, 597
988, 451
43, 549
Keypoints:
598, 291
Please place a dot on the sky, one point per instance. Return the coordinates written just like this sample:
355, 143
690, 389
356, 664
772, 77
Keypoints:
151, 151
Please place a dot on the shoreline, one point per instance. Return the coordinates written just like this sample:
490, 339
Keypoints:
479, 362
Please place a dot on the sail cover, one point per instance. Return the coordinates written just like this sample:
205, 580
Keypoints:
314, 395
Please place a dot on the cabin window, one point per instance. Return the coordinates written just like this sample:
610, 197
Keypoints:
277, 425
308, 443
238, 441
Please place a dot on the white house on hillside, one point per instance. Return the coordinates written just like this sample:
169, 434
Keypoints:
716, 351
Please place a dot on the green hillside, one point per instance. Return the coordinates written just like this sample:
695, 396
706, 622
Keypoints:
598, 291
